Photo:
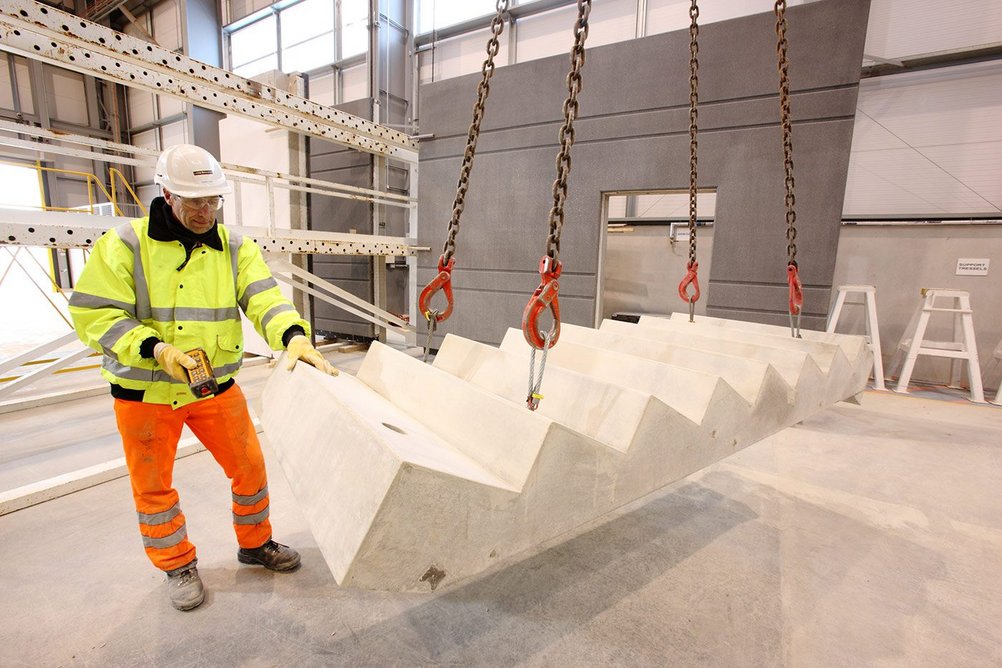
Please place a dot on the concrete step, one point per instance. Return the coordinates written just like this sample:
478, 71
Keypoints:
608, 412
789, 363
745, 375
412, 475
689, 391
822, 353
850, 343
826, 349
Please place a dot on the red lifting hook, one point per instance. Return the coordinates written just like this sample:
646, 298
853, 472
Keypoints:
796, 290
691, 278
444, 282
544, 296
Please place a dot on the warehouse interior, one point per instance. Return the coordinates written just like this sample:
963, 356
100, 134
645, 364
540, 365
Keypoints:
796, 467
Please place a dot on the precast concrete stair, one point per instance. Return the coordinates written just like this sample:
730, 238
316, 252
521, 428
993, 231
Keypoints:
831, 351
848, 341
413, 475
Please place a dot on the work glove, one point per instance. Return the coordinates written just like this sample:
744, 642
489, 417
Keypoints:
173, 361
300, 348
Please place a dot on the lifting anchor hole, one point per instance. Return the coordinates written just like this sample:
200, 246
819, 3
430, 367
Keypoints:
394, 428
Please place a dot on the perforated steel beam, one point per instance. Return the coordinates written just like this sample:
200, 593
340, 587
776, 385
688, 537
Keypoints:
43, 33
80, 230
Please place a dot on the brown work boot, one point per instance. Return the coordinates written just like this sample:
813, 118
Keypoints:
185, 587
273, 556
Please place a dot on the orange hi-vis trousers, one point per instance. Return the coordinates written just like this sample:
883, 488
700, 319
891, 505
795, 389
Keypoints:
150, 434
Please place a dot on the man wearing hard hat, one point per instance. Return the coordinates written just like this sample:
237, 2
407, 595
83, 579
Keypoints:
170, 282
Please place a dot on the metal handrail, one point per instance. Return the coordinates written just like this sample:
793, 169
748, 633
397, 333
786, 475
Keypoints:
91, 180
112, 173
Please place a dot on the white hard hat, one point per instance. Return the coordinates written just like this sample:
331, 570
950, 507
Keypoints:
191, 171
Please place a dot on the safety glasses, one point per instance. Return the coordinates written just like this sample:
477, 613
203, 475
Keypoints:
198, 203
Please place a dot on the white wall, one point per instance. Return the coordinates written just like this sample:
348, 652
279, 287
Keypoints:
642, 272
67, 96
928, 143
252, 144
901, 260
550, 33
23, 85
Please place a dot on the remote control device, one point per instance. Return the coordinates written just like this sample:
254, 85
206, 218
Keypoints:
200, 379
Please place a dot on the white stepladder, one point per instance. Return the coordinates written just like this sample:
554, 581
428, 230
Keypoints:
872, 330
963, 348
994, 362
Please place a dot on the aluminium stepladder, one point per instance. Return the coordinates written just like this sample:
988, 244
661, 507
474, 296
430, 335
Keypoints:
964, 348
872, 329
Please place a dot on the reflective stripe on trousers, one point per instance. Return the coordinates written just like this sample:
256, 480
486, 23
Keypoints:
252, 509
150, 434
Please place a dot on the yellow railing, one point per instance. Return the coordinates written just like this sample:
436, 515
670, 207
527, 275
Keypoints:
112, 174
93, 183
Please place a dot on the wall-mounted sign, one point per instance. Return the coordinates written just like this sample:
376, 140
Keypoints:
968, 266
679, 232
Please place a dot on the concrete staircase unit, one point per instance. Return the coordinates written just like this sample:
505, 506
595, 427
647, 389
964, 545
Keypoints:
411, 475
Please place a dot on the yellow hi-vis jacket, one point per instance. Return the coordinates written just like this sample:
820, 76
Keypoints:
134, 287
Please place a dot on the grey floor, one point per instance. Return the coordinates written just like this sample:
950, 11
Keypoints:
866, 535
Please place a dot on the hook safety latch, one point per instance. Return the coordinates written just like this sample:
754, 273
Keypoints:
544, 297
441, 282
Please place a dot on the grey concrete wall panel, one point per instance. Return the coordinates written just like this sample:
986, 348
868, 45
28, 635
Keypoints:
334, 163
632, 134
713, 118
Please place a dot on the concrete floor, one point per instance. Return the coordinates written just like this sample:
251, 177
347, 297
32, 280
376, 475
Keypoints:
865, 535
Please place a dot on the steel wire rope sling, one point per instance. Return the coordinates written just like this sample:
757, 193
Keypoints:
443, 281
792, 269
545, 296
692, 268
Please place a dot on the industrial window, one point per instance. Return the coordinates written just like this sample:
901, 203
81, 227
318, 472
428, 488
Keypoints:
354, 27
307, 35
436, 14
19, 187
254, 48
299, 37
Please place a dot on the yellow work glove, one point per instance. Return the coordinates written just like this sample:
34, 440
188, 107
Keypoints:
300, 348
173, 361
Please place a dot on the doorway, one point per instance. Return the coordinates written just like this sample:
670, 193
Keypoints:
646, 249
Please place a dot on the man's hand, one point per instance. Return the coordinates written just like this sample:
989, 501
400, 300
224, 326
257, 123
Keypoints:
300, 348
173, 361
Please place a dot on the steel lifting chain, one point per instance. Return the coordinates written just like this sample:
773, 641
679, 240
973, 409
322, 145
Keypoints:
692, 268
792, 270
483, 90
546, 295
443, 280
567, 130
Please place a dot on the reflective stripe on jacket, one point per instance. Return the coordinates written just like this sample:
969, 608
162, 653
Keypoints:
134, 287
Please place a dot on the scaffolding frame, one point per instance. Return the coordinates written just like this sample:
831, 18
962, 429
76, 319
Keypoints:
43, 33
